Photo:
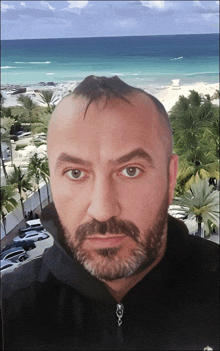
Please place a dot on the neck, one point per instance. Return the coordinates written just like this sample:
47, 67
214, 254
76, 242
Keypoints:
120, 287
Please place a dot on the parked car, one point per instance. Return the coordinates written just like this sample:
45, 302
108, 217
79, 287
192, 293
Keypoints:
34, 224
14, 137
8, 266
14, 254
31, 235
26, 244
20, 132
24, 135
40, 228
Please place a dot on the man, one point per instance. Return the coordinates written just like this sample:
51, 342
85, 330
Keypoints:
122, 274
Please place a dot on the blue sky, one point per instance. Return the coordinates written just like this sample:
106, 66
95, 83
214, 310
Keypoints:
69, 19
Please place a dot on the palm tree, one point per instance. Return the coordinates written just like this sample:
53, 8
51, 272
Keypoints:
28, 105
8, 203
45, 173
7, 123
194, 121
3, 130
2, 100
48, 98
43, 123
22, 182
35, 172
200, 202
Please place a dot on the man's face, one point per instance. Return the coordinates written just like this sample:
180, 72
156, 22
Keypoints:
112, 183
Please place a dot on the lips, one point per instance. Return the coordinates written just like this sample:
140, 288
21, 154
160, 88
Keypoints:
106, 240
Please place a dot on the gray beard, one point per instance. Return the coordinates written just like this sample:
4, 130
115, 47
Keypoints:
107, 264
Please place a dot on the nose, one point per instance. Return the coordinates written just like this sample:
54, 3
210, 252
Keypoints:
104, 202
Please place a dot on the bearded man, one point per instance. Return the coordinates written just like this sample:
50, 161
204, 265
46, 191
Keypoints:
121, 274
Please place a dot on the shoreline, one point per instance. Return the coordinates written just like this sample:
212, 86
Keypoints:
168, 95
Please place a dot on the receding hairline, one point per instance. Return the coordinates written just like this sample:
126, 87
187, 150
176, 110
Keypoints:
158, 105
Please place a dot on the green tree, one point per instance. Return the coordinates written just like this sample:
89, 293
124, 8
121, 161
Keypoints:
22, 182
43, 123
48, 98
200, 202
35, 172
7, 123
45, 173
8, 202
194, 123
29, 106
2, 99
3, 131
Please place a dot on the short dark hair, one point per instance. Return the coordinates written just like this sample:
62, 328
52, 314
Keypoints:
94, 88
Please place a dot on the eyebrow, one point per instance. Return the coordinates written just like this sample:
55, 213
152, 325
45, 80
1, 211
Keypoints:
71, 159
137, 153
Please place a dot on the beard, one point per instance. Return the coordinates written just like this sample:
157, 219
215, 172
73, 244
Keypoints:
106, 263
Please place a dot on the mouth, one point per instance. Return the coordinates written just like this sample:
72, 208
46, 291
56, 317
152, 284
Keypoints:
106, 240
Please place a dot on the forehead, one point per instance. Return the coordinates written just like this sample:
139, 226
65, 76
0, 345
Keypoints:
72, 109
106, 128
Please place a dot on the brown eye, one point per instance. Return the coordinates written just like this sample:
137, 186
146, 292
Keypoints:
131, 172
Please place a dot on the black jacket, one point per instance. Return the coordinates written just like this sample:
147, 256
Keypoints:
53, 303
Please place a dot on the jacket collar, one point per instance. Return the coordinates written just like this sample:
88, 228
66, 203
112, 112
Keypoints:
58, 260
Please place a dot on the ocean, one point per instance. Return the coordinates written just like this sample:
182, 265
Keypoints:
138, 60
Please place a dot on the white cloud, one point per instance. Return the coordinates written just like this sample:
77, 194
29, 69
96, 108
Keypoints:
23, 4
207, 16
127, 23
77, 4
197, 3
5, 7
158, 5
47, 5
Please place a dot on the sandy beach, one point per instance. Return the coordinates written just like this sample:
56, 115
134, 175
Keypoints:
168, 95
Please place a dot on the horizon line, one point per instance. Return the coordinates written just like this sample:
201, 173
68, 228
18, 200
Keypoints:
114, 36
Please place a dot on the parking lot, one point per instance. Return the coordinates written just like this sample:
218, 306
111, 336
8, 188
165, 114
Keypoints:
39, 249
25, 247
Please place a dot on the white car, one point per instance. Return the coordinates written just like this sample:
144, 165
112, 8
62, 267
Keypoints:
31, 235
24, 135
8, 266
15, 254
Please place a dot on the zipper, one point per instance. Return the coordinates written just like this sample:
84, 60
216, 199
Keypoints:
119, 314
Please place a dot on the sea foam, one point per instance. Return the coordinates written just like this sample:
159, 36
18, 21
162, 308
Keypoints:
46, 62
6, 67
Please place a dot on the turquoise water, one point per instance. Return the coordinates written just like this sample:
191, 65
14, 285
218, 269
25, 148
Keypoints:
143, 60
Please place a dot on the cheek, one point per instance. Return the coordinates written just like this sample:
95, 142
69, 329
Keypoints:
142, 201
69, 201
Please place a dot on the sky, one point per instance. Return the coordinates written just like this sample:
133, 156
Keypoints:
72, 19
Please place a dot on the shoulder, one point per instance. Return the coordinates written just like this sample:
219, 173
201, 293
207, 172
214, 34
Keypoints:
21, 278
202, 253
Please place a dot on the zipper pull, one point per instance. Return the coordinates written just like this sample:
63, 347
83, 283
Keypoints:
119, 313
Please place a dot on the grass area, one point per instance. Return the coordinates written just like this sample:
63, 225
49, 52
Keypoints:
20, 146
39, 143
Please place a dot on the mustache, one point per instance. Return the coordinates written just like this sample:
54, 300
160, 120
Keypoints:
112, 226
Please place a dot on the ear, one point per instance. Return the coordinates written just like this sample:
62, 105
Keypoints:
173, 170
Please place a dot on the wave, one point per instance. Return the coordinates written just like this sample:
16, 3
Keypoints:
6, 67
177, 58
46, 62
201, 74
39, 62
49, 74
117, 74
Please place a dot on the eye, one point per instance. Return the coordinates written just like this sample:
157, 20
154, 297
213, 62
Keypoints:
75, 174
131, 172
